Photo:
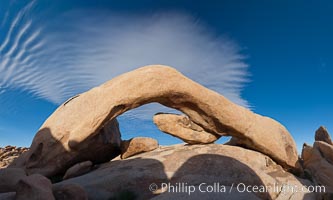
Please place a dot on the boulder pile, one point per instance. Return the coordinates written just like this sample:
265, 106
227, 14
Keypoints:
318, 160
78, 152
9, 153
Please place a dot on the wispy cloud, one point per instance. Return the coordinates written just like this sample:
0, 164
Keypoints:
85, 48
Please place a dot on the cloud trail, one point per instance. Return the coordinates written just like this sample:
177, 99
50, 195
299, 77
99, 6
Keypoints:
84, 48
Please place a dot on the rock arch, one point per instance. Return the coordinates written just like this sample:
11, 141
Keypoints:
84, 116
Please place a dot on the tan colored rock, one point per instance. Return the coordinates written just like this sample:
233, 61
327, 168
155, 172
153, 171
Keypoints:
77, 121
182, 127
320, 169
137, 145
325, 149
50, 154
34, 187
70, 192
191, 164
323, 135
78, 169
9, 177
9, 153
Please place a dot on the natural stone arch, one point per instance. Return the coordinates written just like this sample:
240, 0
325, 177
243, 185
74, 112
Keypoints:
83, 117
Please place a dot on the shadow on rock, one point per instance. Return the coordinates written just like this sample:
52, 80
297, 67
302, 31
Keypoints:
51, 156
170, 177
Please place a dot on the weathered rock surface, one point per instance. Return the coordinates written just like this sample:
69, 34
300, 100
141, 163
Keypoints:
9, 177
34, 187
65, 136
318, 160
322, 135
51, 155
191, 164
78, 169
137, 145
9, 153
320, 169
70, 192
326, 150
182, 127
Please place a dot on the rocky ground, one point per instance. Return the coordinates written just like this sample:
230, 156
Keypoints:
78, 153
9, 153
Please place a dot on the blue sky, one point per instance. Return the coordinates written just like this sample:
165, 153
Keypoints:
274, 57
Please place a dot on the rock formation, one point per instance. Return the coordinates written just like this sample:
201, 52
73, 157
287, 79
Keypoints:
325, 149
182, 127
34, 187
68, 132
79, 148
191, 164
50, 154
137, 145
9, 153
318, 159
78, 169
322, 135
9, 177
70, 192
